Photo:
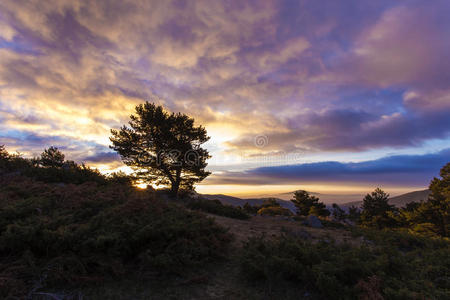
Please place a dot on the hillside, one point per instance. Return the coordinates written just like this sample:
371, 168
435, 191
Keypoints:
398, 201
55, 235
325, 198
73, 233
401, 200
235, 201
111, 241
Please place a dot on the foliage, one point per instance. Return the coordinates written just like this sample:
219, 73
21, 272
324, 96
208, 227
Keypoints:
376, 210
52, 157
56, 171
354, 213
269, 207
274, 211
437, 209
3, 153
80, 234
338, 213
307, 204
431, 217
395, 266
270, 202
163, 148
217, 208
250, 209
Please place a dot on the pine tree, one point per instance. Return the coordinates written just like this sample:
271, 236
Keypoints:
52, 157
162, 147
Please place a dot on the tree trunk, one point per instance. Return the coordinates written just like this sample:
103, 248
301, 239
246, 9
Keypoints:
174, 189
176, 183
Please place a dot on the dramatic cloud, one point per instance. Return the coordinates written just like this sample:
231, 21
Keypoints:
398, 170
310, 76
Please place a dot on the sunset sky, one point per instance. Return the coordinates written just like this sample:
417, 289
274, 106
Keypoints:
329, 96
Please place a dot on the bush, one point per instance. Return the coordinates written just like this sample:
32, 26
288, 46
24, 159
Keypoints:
51, 168
274, 211
217, 208
395, 265
78, 234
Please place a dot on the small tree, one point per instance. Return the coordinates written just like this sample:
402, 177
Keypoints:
338, 213
376, 209
435, 212
250, 209
307, 204
3, 153
354, 213
52, 157
163, 148
319, 210
274, 211
270, 202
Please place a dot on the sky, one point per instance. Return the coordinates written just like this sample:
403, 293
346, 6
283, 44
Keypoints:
329, 96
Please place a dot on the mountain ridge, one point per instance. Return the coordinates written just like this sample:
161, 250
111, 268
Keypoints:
398, 201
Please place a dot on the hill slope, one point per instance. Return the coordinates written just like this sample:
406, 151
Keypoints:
401, 200
252, 201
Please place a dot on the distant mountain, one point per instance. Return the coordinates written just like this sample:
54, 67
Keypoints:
224, 199
325, 198
401, 200
398, 201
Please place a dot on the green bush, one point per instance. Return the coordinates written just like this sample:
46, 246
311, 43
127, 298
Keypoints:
217, 208
274, 211
78, 234
395, 266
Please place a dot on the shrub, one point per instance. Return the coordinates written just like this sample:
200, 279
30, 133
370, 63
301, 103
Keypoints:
78, 234
217, 208
274, 211
394, 265
338, 213
52, 168
250, 209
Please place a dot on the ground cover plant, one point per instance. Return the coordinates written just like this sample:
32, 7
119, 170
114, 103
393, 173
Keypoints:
73, 235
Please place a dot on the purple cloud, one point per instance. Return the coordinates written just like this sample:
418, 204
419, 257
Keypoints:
410, 170
311, 75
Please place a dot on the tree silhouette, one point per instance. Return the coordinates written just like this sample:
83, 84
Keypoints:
307, 204
436, 210
52, 157
376, 210
3, 153
162, 147
338, 213
354, 213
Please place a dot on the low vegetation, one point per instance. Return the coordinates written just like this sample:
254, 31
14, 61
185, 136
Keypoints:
270, 207
71, 235
217, 208
391, 266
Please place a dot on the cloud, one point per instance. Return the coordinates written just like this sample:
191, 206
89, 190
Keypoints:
401, 170
103, 157
302, 73
406, 46
351, 130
